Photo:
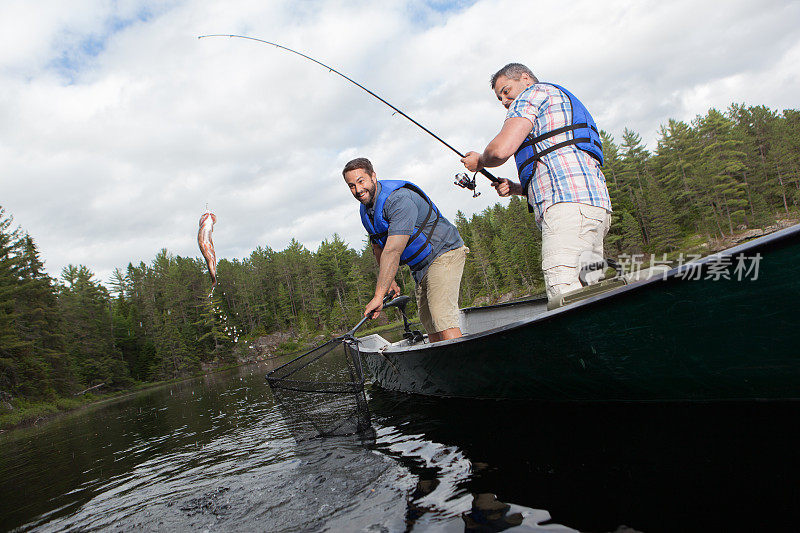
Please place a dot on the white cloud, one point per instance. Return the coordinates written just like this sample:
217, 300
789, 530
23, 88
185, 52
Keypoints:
118, 126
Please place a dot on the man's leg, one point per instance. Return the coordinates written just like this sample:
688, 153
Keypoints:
425, 317
449, 333
443, 281
421, 294
595, 223
572, 235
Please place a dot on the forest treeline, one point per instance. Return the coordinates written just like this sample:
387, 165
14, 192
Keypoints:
705, 180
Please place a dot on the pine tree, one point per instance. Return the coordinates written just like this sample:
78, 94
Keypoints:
785, 156
172, 355
85, 307
214, 338
12, 346
335, 259
676, 163
722, 165
633, 175
40, 323
631, 234
665, 234
761, 132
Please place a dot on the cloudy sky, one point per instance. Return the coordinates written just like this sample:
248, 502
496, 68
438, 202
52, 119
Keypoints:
118, 126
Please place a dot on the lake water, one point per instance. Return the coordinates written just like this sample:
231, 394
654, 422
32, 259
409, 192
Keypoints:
217, 454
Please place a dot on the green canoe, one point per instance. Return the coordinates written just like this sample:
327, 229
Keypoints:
694, 332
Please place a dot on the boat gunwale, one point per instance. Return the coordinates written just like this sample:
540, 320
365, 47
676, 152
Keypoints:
504, 304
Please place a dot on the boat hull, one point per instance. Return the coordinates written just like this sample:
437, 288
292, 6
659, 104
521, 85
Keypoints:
655, 340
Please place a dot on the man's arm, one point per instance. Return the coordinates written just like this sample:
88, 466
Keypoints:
388, 261
503, 146
506, 143
499, 150
377, 251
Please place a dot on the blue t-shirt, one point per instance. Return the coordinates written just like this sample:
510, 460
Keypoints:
404, 210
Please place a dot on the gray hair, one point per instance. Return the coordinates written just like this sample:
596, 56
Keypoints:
513, 71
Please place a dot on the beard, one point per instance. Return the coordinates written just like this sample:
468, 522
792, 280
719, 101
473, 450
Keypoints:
369, 196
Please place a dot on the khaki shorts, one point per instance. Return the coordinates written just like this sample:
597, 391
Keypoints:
572, 236
437, 293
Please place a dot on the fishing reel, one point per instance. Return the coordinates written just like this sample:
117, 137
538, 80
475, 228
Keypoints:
463, 180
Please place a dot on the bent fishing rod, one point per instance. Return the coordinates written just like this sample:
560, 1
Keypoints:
463, 181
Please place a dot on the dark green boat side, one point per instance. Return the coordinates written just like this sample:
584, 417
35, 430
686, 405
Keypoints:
662, 339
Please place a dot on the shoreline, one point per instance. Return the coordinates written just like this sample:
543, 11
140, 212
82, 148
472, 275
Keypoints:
47, 411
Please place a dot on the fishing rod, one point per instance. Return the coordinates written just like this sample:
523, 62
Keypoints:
464, 180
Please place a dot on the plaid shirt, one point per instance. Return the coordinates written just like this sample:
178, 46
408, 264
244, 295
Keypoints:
565, 175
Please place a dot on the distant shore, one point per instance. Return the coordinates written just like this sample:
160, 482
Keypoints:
30, 414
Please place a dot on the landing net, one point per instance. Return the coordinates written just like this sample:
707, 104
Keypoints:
322, 391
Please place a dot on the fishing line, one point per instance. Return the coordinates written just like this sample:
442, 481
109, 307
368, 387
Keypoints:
331, 69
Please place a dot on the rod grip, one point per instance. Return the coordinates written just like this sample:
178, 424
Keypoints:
489, 175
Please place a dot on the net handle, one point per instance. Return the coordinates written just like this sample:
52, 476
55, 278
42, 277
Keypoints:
348, 335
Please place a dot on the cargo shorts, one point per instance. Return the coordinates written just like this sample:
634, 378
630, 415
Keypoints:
572, 236
437, 292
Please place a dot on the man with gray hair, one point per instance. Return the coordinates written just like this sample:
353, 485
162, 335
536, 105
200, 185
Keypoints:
558, 152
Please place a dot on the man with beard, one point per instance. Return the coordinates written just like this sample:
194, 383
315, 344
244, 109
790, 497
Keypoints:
405, 227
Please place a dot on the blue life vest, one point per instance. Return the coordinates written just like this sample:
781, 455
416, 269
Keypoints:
584, 135
419, 245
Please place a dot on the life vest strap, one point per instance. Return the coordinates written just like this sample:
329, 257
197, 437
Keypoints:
558, 131
427, 235
531, 141
380, 238
539, 155
376, 238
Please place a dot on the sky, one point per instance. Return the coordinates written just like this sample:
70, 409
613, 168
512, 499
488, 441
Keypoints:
119, 127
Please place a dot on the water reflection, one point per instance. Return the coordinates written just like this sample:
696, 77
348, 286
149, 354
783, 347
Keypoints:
218, 454
113, 455
603, 467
